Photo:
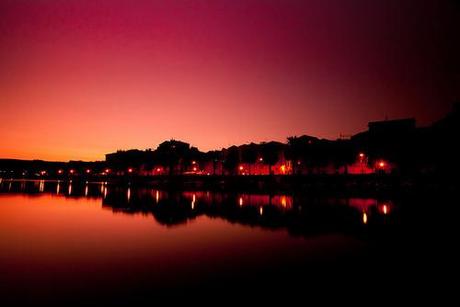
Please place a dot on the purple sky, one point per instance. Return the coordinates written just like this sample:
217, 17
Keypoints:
82, 78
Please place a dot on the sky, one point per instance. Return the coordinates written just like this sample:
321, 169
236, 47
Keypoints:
79, 79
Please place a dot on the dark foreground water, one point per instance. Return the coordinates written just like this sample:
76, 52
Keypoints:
94, 243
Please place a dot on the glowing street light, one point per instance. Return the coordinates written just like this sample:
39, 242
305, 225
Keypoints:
130, 170
194, 169
241, 167
88, 171
107, 170
381, 164
72, 171
59, 171
261, 159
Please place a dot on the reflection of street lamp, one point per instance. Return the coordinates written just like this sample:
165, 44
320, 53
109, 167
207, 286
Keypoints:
364, 218
385, 209
283, 169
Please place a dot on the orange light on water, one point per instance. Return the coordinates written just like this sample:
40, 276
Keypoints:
283, 201
193, 201
385, 209
283, 169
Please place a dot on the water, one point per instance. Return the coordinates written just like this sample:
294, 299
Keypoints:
64, 242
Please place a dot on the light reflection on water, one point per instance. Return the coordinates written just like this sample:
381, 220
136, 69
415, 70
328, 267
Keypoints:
277, 209
128, 237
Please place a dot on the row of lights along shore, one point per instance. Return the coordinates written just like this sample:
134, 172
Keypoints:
362, 158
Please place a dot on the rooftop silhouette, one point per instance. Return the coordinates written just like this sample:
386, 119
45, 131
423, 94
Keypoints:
387, 147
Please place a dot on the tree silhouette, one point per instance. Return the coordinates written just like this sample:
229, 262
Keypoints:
270, 154
249, 155
232, 159
172, 153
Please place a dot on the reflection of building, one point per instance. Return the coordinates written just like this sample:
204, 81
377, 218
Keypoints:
300, 214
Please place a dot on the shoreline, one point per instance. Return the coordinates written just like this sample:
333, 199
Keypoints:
316, 184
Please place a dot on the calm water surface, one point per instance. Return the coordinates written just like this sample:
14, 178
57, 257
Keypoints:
68, 242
